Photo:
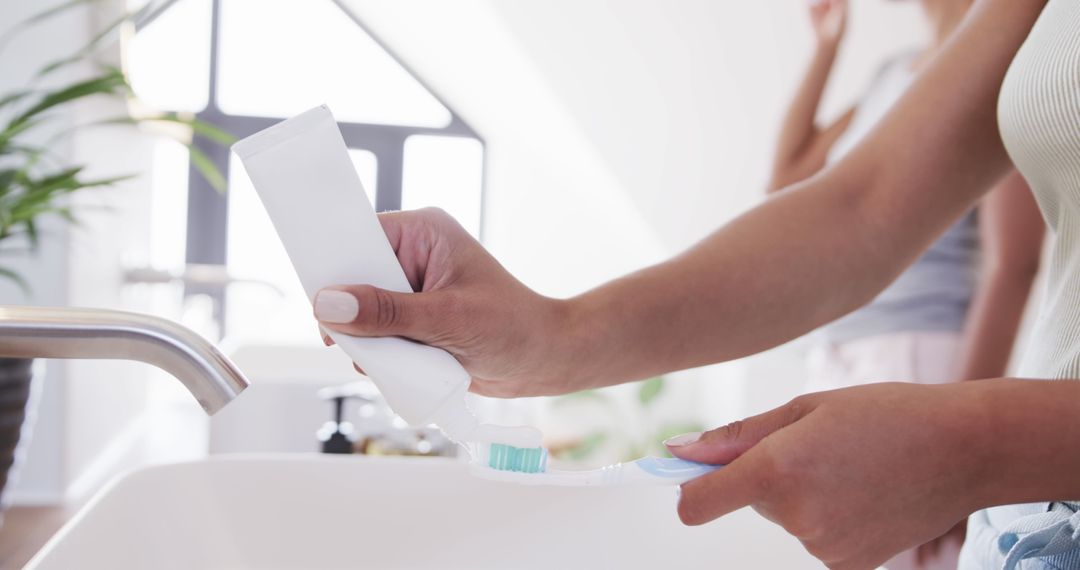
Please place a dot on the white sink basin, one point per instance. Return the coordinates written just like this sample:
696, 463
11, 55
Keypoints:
323, 512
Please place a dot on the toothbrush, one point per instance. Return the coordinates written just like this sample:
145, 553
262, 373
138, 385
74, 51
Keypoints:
529, 467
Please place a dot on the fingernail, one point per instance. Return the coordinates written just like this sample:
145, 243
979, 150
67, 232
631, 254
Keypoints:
336, 307
684, 439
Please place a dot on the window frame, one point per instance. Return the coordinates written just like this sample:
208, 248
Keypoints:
208, 209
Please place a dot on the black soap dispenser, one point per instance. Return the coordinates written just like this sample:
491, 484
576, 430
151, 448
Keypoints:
336, 436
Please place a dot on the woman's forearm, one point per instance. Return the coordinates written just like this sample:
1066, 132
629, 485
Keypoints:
1027, 434
803, 259
993, 324
1011, 232
799, 127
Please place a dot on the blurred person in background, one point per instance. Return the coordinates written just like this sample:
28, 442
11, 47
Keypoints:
955, 313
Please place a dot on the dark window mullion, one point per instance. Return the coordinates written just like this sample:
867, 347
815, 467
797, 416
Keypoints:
208, 209
389, 171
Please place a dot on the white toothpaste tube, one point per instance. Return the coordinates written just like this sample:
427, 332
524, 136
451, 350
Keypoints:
303, 174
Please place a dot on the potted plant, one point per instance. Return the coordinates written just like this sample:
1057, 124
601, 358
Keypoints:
35, 183
605, 425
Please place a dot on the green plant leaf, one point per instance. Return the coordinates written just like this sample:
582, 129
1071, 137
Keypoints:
650, 389
68, 215
13, 130
211, 132
19, 211
201, 128
15, 97
85, 51
40, 17
32, 232
55, 10
206, 168
14, 277
31, 156
26, 193
23, 150
5, 222
112, 82
88, 49
7, 178
44, 191
64, 179
105, 33
202, 163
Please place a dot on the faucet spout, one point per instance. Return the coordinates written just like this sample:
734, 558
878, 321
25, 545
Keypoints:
55, 332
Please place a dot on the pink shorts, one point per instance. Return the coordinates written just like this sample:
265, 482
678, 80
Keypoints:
922, 357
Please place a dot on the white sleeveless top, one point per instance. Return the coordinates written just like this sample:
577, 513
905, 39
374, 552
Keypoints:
1039, 116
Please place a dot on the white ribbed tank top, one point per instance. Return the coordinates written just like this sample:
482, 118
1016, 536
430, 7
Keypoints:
1039, 116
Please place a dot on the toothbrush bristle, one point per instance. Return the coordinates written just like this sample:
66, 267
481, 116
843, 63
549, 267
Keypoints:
522, 460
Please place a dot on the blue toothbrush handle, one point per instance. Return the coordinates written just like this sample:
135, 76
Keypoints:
673, 470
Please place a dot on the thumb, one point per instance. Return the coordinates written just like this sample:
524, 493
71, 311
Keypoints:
363, 310
724, 444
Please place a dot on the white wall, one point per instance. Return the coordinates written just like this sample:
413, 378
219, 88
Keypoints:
683, 99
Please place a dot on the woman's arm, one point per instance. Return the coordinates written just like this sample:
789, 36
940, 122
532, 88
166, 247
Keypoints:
802, 147
921, 459
802, 259
829, 244
1011, 233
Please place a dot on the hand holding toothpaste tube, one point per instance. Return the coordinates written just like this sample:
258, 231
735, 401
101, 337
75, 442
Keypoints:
504, 334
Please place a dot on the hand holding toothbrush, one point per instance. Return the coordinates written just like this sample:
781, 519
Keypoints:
862, 473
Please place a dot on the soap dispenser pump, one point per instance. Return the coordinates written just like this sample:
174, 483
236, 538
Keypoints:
337, 435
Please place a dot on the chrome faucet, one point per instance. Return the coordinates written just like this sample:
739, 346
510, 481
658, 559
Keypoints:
55, 332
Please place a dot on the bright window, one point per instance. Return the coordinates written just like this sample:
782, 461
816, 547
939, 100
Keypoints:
169, 59
282, 57
445, 172
274, 59
280, 313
